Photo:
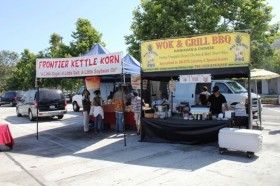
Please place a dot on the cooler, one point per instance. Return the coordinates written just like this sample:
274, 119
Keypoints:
247, 140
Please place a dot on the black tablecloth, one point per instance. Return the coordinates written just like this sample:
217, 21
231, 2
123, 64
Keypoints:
241, 121
181, 131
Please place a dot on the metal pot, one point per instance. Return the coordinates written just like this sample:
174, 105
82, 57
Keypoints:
161, 108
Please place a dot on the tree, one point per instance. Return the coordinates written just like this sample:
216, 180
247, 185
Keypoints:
275, 65
85, 37
57, 48
271, 59
8, 61
155, 19
8, 58
23, 77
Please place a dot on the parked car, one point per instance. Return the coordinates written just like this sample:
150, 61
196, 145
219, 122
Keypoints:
49, 102
68, 96
77, 99
11, 97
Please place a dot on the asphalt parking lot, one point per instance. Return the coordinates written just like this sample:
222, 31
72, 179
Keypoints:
64, 155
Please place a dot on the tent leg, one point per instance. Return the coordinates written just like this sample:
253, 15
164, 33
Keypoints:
260, 113
250, 113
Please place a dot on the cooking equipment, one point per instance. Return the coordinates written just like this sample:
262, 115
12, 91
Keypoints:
161, 108
200, 112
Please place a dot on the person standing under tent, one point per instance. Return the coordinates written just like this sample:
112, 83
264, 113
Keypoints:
203, 97
216, 101
110, 96
98, 112
128, 96
119, 101
136, 103
86, 109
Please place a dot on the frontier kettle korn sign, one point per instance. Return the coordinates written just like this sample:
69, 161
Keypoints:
96, 65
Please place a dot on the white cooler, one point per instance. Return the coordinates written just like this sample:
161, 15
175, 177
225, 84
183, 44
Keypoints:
247, 140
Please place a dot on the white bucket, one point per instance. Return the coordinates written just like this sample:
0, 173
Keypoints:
161, 114
161, 108
220, 116
169, 113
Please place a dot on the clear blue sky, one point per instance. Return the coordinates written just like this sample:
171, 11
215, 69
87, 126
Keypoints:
29, 24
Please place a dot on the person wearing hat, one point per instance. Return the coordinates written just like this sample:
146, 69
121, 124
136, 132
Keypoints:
203, 97
216, 101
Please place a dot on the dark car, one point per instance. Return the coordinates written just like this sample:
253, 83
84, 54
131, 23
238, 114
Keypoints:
11, 97
68, 96
50, 103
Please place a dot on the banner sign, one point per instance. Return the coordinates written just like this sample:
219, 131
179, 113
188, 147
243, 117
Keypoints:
199, 52
201, 78
93, 83
96, 65
136, 82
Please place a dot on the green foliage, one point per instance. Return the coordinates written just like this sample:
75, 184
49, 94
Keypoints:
156, 19
8, 61
23, 77
85, 37
275, 64
8, 58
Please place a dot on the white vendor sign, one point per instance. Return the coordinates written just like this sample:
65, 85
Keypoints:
201, 78
96, 65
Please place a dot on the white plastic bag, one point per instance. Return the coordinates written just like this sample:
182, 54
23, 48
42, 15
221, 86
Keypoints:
91, 110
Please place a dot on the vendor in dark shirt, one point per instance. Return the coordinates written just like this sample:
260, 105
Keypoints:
111, 95
216, 101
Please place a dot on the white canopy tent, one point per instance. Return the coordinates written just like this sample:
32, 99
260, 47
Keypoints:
262, 74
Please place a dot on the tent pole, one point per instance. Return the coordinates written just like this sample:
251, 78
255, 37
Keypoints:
259, 105
123, 106
250, 118
124, 78
37, 99
142, 111
256, 86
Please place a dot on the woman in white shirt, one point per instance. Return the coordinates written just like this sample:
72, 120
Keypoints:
98, 112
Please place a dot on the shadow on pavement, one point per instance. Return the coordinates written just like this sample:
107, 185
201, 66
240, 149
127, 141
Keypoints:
70, 140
